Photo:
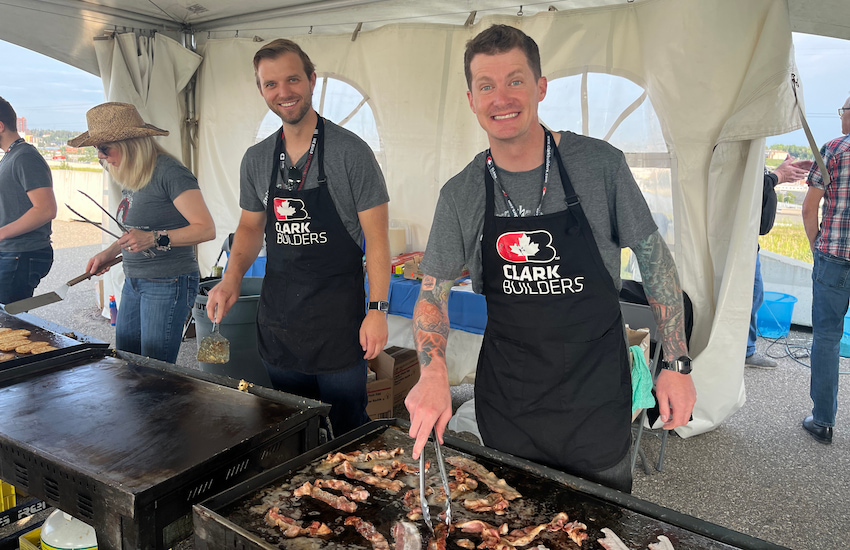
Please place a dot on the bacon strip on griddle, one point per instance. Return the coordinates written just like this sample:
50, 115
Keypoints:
438, 540
490, 535
498, 538
390, 471
485, 475
336, 501
292, 528
494, 502
465, 543
351, 472
379, 542
347, 489
356, 456
406, 536
574, 529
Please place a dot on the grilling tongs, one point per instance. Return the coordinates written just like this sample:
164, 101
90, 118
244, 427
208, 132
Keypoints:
423, 499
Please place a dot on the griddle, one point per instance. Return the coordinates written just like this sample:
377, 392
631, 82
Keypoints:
128, 444
233, 519
65, 340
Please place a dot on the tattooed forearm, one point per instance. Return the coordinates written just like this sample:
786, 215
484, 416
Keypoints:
431, 320
664, 293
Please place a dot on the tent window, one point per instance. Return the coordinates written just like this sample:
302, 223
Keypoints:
340, 103
617, 110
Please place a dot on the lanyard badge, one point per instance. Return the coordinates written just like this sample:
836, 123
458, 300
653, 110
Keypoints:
294, 177
547, 163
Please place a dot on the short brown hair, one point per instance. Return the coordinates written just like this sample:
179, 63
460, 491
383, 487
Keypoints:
501, 39
8, 116
277, 48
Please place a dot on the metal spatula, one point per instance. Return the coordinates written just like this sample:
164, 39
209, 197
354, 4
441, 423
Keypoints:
214, 348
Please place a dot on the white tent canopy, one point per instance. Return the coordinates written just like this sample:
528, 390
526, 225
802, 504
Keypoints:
717, 74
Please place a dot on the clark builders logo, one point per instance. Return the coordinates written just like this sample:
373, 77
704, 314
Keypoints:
290, 210
531, 246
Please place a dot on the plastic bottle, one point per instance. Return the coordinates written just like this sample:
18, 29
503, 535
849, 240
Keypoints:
113, 310
63, 532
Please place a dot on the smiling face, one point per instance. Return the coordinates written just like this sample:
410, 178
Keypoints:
286, 87
504, 94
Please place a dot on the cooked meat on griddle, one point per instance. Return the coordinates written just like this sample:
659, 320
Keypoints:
292, 528
383, 470
485, 475
335, 458
15, 334
336, 501
576, 530
30, 347
438, 540
4, 329
662, 544
368, 531
494, 502
351, 472
611, 541
347, 489
43, 349
465, 543
498, 538
11, 344
406, 536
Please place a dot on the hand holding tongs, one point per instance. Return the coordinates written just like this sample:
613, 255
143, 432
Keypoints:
423, 499
146, 253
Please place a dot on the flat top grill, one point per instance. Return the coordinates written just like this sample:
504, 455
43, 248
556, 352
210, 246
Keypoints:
127, 423
239, 511
40, 332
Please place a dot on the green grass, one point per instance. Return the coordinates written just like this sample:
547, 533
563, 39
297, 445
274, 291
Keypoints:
77, 168
771, 164
788, 239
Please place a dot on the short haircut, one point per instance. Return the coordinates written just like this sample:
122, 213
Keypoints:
8, 116
277, 48
501, 39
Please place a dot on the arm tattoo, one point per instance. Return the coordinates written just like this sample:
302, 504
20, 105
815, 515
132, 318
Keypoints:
664, 293
431, 319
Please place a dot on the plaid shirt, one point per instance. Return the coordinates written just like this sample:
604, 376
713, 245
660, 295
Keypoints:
834, 236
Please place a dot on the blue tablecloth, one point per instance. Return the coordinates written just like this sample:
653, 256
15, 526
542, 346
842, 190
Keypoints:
467, 310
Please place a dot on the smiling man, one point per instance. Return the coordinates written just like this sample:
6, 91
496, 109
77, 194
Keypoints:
316, 192
539, 219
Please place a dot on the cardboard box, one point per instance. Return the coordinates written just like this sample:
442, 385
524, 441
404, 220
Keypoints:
405, 372
380, 392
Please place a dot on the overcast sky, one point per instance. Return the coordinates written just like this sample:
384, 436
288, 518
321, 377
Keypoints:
53, 95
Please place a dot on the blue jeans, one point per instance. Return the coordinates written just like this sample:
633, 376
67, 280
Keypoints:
152, 314
830, 296
758, 299
20, 273
345, 391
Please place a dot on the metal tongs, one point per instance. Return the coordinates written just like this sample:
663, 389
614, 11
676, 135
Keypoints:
146, 253
423, 499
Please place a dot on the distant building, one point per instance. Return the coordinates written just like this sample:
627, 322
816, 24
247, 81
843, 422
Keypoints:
774, 154
22, 125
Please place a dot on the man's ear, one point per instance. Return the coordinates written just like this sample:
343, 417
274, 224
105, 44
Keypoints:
471, 104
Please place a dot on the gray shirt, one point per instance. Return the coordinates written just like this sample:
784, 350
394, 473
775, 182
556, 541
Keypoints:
152, 207
22, 169
355, 181
611, 200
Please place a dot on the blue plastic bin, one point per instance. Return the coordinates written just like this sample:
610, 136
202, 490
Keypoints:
844, 350
257, 269
773, 319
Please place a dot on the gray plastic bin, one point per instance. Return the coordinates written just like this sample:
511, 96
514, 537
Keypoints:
240, 327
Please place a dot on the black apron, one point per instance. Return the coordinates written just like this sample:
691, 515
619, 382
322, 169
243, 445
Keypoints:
553, 383
313, 299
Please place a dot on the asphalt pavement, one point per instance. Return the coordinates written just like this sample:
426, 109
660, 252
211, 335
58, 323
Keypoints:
758, 473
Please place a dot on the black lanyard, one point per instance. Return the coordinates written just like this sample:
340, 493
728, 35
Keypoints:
17, 141
547, 162
280, 152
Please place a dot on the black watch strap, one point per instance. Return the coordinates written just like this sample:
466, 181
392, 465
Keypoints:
380, 306
681, 365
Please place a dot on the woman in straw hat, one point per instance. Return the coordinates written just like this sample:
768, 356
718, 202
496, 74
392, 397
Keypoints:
165, 215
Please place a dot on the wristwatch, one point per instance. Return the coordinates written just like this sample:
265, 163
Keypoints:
162, 240
682, 365
380, 306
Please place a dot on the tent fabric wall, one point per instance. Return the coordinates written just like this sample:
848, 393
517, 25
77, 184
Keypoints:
150, 73
726, 84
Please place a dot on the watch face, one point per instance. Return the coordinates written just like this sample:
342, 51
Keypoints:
163, 240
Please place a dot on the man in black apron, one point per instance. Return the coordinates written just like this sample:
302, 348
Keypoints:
315, 191
539, 220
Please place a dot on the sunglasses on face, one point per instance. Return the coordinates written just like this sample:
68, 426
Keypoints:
843, 110
104, 149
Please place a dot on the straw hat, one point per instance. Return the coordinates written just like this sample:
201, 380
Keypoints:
109, 122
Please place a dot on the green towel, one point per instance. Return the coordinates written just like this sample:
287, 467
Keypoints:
641, 381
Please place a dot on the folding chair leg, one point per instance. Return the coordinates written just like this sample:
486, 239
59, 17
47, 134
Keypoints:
637, 449
660, 465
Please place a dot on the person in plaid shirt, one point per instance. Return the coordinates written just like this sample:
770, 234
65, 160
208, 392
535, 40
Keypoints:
830, 244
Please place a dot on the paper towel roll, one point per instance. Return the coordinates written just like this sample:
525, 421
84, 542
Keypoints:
398, 241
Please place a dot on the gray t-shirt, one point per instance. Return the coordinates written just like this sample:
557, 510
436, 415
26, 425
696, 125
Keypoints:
355, 181
152, 207
611, 200
22, 169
